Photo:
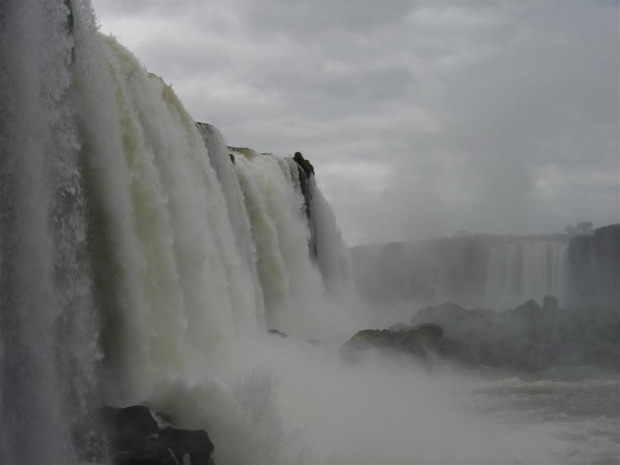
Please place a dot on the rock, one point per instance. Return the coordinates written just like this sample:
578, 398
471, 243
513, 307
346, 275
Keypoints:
529, 309
150, 453
550, 303
428, 333
305, 172
275, 332
136, 438
129, 426
448, 311
418, 341
304, 164
195, 444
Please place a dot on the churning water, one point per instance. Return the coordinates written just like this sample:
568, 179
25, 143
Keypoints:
138, 264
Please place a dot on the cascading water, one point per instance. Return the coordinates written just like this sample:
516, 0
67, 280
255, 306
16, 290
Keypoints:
140, 264
48, 341
526, 269
121, 251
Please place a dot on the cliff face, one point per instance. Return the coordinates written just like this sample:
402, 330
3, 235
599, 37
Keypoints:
495, 272
594, 267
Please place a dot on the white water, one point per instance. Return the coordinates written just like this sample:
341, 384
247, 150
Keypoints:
526, 269
137, 264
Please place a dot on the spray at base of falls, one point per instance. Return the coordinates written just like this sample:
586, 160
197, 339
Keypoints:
138, 264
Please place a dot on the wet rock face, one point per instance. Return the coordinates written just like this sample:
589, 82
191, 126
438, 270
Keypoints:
419, 341
305, 172
304, 164
137, 438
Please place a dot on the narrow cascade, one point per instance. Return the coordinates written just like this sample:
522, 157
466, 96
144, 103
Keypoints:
281, 235
526, 269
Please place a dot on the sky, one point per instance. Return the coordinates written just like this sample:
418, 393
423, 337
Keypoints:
421, 118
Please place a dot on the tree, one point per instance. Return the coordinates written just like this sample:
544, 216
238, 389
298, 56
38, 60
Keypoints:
584, 228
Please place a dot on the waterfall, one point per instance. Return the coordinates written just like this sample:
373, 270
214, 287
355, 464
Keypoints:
48, 340
134, 254
526, 269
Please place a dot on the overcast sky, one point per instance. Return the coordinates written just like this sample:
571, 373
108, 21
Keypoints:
421, 118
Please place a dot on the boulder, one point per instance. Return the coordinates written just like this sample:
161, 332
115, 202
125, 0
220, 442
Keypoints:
419, 341
137, 438
304, 164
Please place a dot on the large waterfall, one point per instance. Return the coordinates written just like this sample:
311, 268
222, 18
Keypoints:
133, 252
526, 269
143, 261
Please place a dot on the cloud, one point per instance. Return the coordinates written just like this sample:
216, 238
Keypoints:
421, 118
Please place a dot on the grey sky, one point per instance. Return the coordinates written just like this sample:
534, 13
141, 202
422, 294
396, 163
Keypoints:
421, 118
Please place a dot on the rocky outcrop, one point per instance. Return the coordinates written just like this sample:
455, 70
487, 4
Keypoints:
306, 174
419, 342
138, 436
529, 337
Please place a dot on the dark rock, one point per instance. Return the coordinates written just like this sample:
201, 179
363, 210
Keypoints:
427, 332
275, 332
304, 164
136, 438
196, 444
150, 453
529, 309
129, 426
306, 181
419, 341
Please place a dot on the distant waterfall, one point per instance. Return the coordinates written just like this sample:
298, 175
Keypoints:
133, 253
526, 269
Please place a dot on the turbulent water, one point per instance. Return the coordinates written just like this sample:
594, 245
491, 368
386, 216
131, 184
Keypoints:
139, 264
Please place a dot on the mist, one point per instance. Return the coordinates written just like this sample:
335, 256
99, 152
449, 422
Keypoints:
171, 293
